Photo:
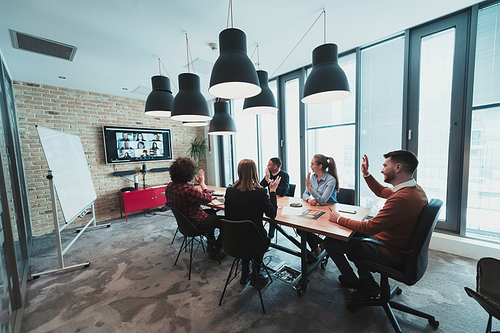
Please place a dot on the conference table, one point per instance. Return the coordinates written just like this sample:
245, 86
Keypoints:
292, 217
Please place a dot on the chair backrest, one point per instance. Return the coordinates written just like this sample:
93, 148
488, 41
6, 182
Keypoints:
291, 190
185, 226
242, 239
416, 262
488, 271
346, 196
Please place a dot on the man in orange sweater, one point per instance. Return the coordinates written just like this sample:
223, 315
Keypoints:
394, 224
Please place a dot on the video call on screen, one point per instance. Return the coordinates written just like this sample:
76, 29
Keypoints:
139, 145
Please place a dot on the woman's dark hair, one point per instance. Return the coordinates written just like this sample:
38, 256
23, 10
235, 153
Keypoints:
182, 170
328, 163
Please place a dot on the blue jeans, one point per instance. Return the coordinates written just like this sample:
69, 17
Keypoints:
337, 250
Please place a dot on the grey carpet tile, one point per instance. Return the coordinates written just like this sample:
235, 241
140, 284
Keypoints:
133, 286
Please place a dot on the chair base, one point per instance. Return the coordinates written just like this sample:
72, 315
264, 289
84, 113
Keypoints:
384, 300
235, 271
188, 243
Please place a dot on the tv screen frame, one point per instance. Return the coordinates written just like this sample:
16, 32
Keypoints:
124, 144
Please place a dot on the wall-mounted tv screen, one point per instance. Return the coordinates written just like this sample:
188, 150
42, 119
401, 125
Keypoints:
134, 144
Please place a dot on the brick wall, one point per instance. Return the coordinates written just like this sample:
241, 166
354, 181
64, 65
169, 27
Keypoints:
84, 113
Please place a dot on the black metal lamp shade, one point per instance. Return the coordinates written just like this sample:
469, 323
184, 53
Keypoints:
264, 102
160, 100
233, 74
189, 103
327, 81
222, 123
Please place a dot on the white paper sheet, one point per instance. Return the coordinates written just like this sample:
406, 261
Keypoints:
291, 211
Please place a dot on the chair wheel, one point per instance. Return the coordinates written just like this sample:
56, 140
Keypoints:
301, 291
399, 291
351, 308
434, 323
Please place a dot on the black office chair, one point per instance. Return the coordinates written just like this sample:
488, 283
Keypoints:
410, 273
291, 190
487, 292
191, 234
242, 240
346, 196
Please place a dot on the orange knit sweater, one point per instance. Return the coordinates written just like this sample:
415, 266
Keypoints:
395, 222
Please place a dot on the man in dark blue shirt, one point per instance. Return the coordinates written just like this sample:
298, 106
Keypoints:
272, 172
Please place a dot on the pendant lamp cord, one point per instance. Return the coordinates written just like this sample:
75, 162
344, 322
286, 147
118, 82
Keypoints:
258, 55
289, 54
188, 53
230, 13
159, 70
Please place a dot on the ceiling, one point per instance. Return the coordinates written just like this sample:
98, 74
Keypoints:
119, 41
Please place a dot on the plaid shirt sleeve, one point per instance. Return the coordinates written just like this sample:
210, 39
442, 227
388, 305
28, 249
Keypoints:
187, 199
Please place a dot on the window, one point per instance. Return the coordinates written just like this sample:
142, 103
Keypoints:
381, 111
483, 203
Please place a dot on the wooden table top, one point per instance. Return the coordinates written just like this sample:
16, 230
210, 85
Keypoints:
319, 226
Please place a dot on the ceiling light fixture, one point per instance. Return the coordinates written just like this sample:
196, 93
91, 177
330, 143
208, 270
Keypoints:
327, 81
222, 123
189, 103
160, 100
264, 102
233, 74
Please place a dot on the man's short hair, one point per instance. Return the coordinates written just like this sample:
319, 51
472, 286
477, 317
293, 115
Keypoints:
276, 161
182, 170
407, 158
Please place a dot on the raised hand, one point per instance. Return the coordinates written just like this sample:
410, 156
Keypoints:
308, 180
274, 184
364, 166
201, 177
268, 175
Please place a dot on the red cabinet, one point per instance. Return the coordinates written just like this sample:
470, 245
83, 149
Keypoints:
140, 199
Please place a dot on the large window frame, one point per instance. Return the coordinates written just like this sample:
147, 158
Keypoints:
465, 21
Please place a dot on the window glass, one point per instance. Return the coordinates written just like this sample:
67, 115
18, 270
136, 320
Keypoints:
245, 140
487, 69
268, 130
381, 110
436, 69
293, 131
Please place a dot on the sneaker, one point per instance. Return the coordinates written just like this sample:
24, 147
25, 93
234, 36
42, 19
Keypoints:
347, 284
262, 280
368, 288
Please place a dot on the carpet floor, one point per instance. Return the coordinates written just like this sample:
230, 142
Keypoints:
133, 286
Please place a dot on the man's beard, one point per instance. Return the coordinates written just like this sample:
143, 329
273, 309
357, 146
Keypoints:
389, 177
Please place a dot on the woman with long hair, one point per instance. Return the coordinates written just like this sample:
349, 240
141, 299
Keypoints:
321, 188
247, 200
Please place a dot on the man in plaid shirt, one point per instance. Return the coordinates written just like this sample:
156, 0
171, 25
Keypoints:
188, 200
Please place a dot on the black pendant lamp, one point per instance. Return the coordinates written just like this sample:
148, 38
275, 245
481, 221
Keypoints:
327, 81
160, 100
194, 123
222, 123
189, 103
233, 74
264, 102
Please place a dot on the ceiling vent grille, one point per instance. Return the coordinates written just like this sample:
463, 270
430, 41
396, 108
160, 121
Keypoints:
43, 46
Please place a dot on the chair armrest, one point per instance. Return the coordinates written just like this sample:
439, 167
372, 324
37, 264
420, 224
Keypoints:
376, 242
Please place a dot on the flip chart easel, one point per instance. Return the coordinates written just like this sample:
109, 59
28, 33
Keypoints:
69, 177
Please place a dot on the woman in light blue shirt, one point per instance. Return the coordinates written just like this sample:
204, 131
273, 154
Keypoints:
321, 187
